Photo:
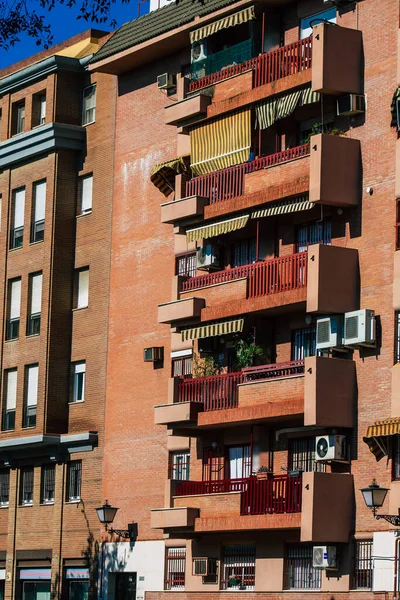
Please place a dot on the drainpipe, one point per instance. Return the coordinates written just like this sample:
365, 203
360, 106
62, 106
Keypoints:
396, 558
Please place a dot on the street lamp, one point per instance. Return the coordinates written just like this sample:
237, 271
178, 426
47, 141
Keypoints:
106, 515
374, 496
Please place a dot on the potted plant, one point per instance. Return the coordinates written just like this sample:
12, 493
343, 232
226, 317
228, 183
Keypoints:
204, 367
263, 472
246, 353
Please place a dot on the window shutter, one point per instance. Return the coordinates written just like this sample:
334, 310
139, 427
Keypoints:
40, 200
36, 294
19, 208
83, 288
11, 400
80, 367
87, 193
32, 391
15, 299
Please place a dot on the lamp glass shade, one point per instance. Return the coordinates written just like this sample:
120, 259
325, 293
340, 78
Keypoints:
374, 495
106, 513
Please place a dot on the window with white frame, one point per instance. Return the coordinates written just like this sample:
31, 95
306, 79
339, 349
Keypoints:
35, 304
18, 117
78, 381
89, 105
175, 567
48, 484
17, 230
39, 207
239, 568
14, 309
179, 466
4, 487
299, 573
10, 399
82, 292
74, 480
86, 193
42, 117
31, 395
26, 486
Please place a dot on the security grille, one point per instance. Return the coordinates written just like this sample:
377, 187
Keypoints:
175, 568
26, 490
299, 572
186, 265
362, 570
48, 484
239, 568
302, 455
179, 466
397, 337
74, 479
4, 487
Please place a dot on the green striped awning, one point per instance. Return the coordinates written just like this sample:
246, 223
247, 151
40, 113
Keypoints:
237, 18
206, 331
221, 143
274, 109
214, 229
379, 434
163, 175
284, 207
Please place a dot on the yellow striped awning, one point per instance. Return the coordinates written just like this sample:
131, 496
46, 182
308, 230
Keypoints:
206, 331
284, 207
214, 229
378, 436
237, 18
222, 143
163, 175
274, 109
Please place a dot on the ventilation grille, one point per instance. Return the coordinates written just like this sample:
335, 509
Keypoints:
351, 327
323, 331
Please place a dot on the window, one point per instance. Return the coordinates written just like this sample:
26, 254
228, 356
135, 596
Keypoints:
186, 265
397, 337
18, 118
78, 590
362, 565
299, 573
31, 393
78, 381
10, 399
89, 105
26, 490
396, 457
303, 343
17, 231
302, 455
239, 462
86, 193
74, 480
182, 366
48, 484
213, 467
35, 306
39, 207
14, 309
244, 252
39, 109
42, 119
179, 466
36, 590
82, 292
398, 225
4, 487
317, 232
308, 23
175, 568
239, 567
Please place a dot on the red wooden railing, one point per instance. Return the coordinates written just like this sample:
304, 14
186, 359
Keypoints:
265, 278
277, 494
267, 67
229, 183
288, 369
216, 392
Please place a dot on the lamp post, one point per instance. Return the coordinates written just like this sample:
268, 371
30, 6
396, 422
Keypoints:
374, 496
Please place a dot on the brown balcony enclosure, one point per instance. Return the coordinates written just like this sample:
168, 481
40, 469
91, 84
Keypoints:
187, 110
180, 310
173, 518
183, 209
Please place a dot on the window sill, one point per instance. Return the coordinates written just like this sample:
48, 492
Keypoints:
32, 335
80, 308
90, 123
29, 427
76, 402
47, 503
25, 505
14, 249
77, 501
84, 213
12, 340
34, 242
4, 506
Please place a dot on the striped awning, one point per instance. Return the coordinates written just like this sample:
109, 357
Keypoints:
206, 331
284, 207
274, 109
379, 434
163, 175
222, 143
214, 229
237, 18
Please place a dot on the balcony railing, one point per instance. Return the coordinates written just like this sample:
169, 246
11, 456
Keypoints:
264, 278
218, 392
267, 67
278, 494
229, 183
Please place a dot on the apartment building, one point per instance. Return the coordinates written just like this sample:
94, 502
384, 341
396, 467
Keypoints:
56, 156
254, 215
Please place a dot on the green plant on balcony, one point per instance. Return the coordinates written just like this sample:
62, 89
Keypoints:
321, 128
206, 366
247, 352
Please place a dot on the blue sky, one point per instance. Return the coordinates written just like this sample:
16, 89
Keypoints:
64, 25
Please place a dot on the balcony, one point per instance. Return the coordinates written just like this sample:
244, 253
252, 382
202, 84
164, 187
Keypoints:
183, 209
187, 110
180, 310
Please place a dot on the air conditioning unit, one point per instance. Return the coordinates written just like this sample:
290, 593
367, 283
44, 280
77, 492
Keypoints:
166, 81
208, 257
153, 354
329, 332
352, 104
325, 557
199, 51
330, 447
204, 566
359, 328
